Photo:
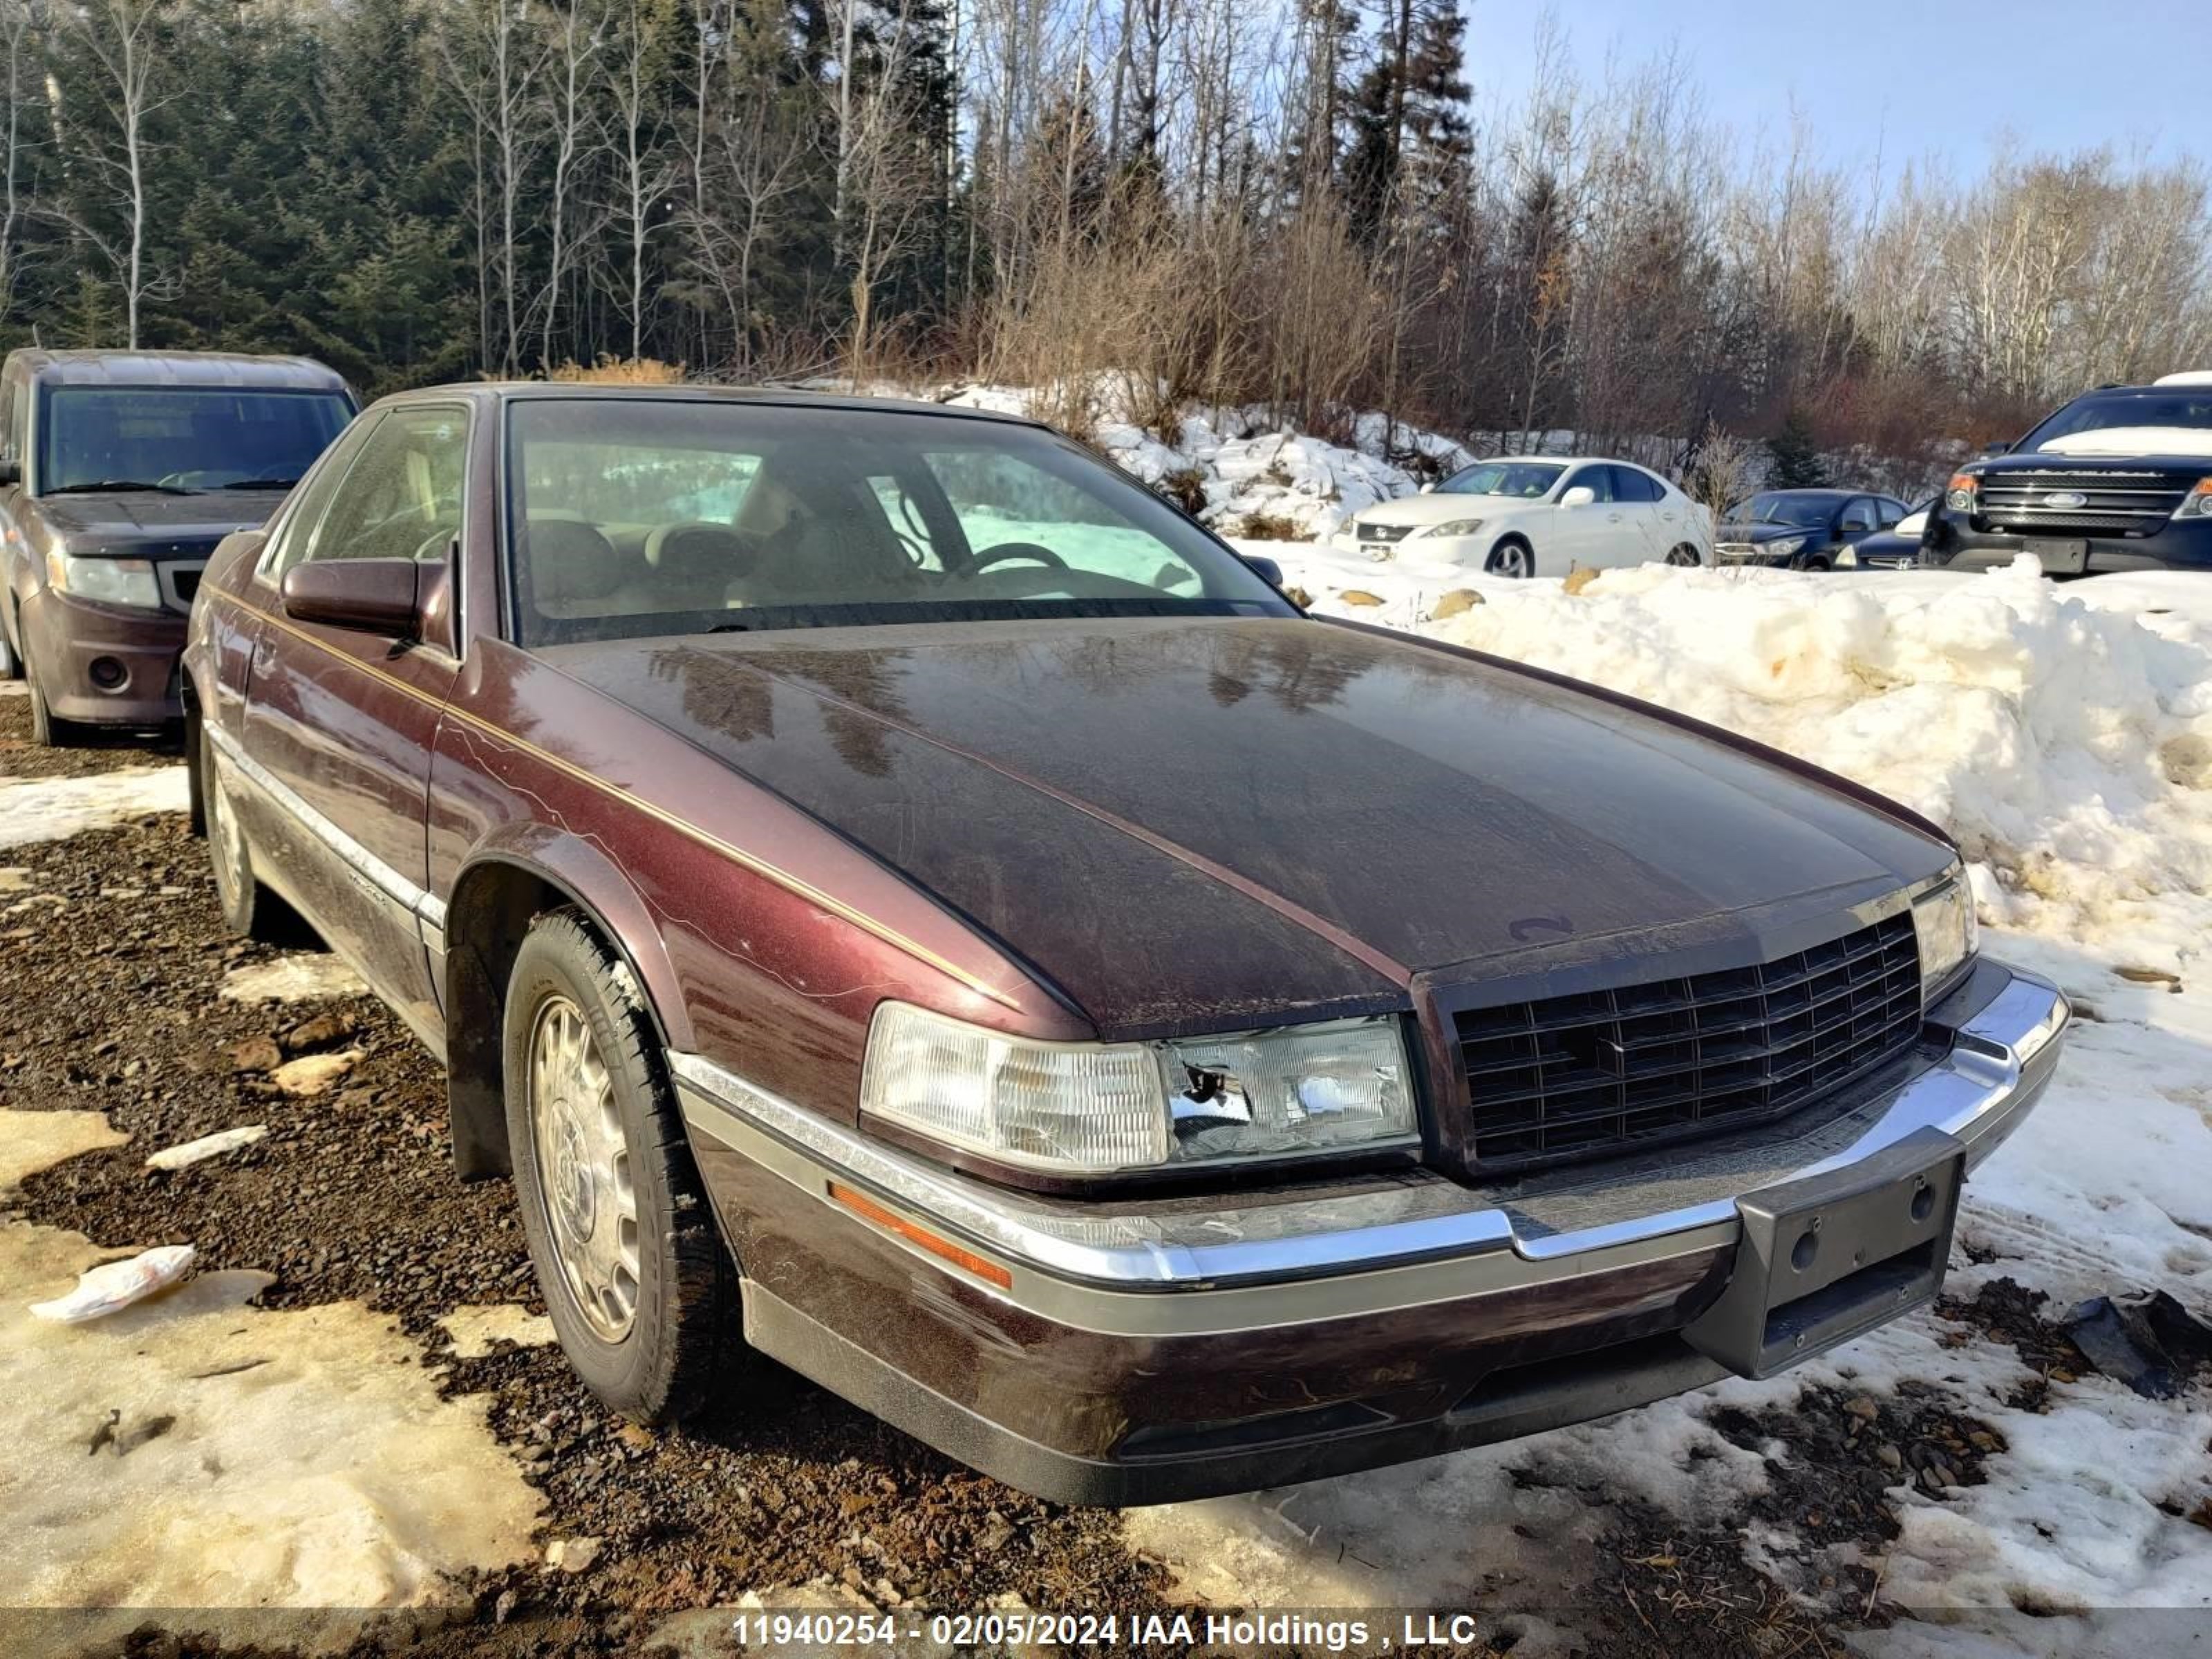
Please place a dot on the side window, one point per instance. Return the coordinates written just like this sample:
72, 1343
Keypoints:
1859, 516
1887, 511
401, 499
1598, 480
11, 407
303, 509
1634, 484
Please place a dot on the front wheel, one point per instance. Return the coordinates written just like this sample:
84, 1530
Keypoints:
1512, 558
11, 666
638, 1286
48, 731
1684, 555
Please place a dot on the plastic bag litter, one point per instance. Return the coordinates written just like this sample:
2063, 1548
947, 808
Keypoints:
114, 1285
214, 1146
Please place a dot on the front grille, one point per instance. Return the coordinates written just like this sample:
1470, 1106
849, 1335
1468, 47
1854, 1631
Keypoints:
1384, 532
2112, 504
1582, 1076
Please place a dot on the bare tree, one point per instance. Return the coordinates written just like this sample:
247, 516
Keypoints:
492, 57
109, 145
643, 35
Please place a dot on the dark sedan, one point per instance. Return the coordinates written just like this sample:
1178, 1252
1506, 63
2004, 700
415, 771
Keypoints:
1801, 529
878, 874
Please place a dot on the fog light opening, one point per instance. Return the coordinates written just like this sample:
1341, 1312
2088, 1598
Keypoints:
107, 673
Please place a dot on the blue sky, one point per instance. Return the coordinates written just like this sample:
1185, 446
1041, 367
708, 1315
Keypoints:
1911, 78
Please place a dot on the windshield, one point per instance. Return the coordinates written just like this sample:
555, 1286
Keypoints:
1780, 506
631, 517
2184, 407
182, 439
1530, 480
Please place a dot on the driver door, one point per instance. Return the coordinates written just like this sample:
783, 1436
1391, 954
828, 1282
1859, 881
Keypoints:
340, 721
1585, 535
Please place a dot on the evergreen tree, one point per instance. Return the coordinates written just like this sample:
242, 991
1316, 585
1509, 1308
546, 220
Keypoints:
1794, 457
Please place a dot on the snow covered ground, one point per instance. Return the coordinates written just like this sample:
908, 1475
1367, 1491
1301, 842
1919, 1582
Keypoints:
2065, 736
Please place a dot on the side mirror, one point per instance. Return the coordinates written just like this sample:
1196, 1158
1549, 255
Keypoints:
1428, 486
1265, 567
2000, 447
1580, 496
11, 470
1855, 527
378, 596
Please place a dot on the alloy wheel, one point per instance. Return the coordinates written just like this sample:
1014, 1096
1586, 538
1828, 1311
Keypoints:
584, 1167
1684, 556
1511, 560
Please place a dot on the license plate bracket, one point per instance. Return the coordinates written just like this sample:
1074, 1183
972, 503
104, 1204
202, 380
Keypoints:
2058, 558
1827, 1257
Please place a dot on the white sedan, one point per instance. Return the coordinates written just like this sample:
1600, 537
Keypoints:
1527, 515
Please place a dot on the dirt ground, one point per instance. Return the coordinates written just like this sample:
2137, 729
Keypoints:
109, 1001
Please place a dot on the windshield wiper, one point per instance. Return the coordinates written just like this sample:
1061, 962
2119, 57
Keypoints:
258, 484
119, 487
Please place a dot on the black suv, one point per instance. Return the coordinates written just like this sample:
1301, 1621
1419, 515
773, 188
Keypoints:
120, 471
2119, 479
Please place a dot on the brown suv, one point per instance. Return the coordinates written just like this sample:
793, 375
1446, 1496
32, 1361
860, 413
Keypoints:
877, 873
120, 471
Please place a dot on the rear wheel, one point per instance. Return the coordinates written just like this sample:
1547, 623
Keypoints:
1684, 555
633, 1271
1512, 558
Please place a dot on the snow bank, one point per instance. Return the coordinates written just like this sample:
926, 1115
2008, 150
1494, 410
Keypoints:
2068, 748
47, 809
1246, 467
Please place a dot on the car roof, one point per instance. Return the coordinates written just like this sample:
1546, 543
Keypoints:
1560, 460
211, 369
1825, 492
784, 397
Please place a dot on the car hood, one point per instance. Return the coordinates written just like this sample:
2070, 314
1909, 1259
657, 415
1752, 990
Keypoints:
98, 523
2195, 442
1192, 823
1438, 508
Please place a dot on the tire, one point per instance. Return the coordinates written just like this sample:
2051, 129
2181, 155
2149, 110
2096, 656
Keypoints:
1813, 565
1511, 556
11, 666
196, 770
249, 909
643, 1293
46, 730
1684, 555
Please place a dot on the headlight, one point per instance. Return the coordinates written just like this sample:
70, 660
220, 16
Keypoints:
111, 581
1097, 1107
1785, 547
1847, 558
2198, 503
1454, 528
1961, 493
1943, 917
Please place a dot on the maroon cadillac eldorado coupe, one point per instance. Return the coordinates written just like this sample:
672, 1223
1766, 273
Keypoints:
877, 873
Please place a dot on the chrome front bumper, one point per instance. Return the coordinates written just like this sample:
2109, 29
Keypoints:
2004, 1039
1169, 1348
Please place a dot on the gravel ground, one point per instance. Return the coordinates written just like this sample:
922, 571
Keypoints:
110, 1002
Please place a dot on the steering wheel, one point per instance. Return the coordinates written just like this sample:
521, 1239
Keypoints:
1005, 551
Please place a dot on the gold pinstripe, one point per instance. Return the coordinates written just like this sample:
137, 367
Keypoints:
707, 839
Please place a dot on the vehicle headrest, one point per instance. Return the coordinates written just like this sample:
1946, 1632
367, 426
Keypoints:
569, 561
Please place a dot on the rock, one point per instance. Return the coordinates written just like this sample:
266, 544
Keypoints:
314, 1074
1578, 579
1889, 1457
1358, 596
632, 1436
573, 1554
1454, 603
1862, 1407
2148, 1340
319, 1032
503, 1609
2151, 976
1298, 597
995, 1533
259, 1053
